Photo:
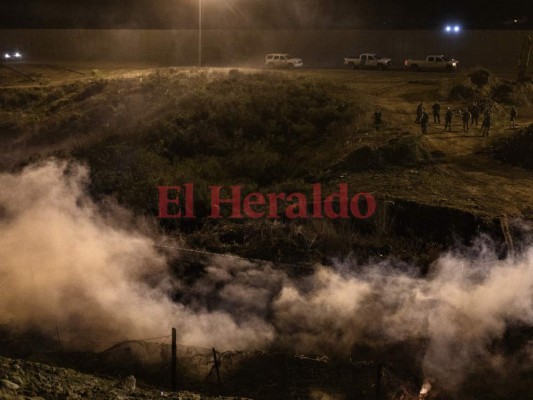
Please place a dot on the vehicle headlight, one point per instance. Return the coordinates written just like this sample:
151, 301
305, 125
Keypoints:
18, 55
7, 56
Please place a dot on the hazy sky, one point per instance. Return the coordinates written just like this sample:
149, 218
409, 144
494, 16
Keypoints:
263, 13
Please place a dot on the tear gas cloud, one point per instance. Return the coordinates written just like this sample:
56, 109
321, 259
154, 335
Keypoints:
69, 262
65, 263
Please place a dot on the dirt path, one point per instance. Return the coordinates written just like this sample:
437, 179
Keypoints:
496, 187
460, 170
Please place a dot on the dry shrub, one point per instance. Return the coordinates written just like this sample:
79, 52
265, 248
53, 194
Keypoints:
405, 150
515, 149
480, 77
481, 83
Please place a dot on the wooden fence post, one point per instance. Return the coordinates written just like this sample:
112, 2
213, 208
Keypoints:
59, 340
504, 223
378, 381
174, 361
216, 366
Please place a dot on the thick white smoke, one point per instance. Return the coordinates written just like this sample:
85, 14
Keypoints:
65, 262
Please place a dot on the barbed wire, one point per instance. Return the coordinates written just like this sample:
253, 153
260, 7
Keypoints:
254, 260
109, 342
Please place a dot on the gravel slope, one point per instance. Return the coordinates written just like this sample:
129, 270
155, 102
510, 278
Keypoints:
27, 380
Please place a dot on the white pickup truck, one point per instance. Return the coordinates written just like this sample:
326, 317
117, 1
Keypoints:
433, 62
368, 60
282, 60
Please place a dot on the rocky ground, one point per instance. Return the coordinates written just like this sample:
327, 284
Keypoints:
27, 380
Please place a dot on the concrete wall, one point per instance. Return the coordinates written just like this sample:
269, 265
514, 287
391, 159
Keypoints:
497, 49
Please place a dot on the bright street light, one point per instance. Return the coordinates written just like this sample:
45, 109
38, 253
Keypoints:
199, 33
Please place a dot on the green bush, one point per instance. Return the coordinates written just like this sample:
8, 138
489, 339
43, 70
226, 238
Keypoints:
255, 129
128, 172
404, 151
91, 89
480, 77
398, 151
461, 92
515, 149
502, 93
480, 83
262, 126
21, 98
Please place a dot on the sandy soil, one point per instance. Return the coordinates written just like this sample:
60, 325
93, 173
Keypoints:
460, 175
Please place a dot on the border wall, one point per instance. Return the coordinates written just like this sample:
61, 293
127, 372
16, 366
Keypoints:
318, 48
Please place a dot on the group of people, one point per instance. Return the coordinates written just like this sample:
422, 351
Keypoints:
469, 117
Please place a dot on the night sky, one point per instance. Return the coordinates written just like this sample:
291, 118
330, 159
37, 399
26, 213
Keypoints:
266, 14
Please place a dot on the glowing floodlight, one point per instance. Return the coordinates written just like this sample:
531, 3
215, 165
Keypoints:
16, 55
452, 28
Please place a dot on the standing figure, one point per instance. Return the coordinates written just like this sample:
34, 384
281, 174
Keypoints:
474, 111
419, 111
377, 118
436, 112
465, 116
512, 116
448, 119
424, 120
485, 125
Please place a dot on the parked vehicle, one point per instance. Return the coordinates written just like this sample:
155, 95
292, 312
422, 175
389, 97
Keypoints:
282, 60
12, 55
368, 60
433, 62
